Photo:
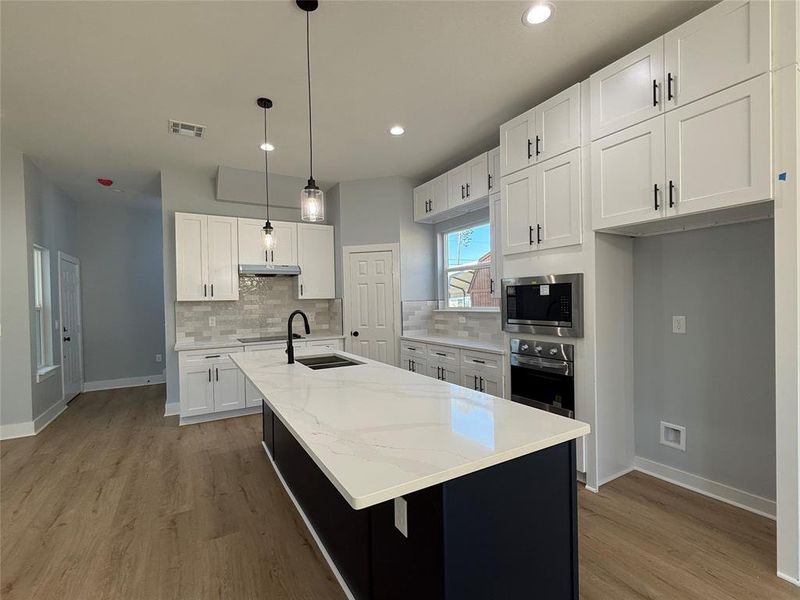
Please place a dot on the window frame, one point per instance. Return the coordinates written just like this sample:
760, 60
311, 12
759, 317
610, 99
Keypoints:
42, 308
445, 270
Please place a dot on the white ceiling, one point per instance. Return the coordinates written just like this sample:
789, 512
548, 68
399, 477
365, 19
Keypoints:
87, 88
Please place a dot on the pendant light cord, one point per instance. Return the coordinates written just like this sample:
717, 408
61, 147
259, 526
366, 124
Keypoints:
266, 162
308, 67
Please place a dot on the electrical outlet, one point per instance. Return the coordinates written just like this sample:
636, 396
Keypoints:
401, 515
212, 321
158, 358
679, 324
462, 320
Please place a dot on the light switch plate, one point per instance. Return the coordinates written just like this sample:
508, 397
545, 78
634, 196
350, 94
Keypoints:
678, 324
212, 321
401, 515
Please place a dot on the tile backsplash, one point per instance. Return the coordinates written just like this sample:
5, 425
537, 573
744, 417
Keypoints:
263, 306
425, 317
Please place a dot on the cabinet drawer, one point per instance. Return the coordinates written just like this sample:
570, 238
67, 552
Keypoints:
444, 355
269, 346
210, 356
324, 345
413, 348
482, 361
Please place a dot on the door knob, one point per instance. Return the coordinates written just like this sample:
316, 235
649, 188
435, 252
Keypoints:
354, 333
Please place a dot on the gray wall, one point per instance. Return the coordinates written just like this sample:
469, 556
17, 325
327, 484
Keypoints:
15, 342
122, 285
718, 379
51, 222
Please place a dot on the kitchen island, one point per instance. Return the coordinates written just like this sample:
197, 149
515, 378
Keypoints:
416, 488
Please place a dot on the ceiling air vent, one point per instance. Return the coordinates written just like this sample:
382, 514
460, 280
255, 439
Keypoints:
187, 129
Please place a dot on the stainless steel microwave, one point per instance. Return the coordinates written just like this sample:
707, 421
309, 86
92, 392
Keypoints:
547, 305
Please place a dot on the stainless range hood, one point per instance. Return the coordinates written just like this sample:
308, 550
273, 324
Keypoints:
268, 270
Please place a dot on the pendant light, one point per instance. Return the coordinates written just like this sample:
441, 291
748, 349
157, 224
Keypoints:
312, 201
268, 233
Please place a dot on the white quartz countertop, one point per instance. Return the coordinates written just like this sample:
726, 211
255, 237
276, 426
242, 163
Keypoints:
379, 432
234, 343
455, 341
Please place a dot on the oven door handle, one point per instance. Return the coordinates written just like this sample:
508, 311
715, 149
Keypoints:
560, 367
564, 412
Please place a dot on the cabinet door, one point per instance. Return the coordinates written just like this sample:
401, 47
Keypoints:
558, 124
490, 384
445, 372
422, 199
315, 257
518, 212
228, 387
252, 397
470, 378
285, 252
251, 242
438, 194
723, 46
406, 361
196, 390
191, 256
516, 143
558, 200
627, 91
718, 149
478, 177
419, 365
495, 227
494, 170
457, 186
626, 167
223, 258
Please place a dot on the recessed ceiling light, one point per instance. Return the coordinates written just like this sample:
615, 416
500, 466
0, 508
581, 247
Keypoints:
268, 147
538, 13
397, 130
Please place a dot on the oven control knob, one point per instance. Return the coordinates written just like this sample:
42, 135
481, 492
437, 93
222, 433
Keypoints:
538, 348
523, 347
553, 350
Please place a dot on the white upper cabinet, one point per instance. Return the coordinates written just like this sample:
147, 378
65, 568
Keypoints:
496, 227
315, 256
285, 251
628, 91
251, 242
191, 256
223, 258
516, 143
457, 186
718, 149
439, 194
518, 212
493, 161
628, 175
430, 199
558, 201
478, 177
558, 124
422, 201
725, 45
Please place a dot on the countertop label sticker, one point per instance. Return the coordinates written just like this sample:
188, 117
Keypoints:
544, 290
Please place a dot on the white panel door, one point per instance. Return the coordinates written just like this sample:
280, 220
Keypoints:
438, 194
494, 170
558, 124
628, 176
718, 149
495, 228
422, 201
228, 387
558, 200
315, 257
223, 258
370, 298
478, 177
518, 212
457, 186
251, 242
197, 390
69, 285
516, 143
191, 256
285, 252
627, 91
720, 47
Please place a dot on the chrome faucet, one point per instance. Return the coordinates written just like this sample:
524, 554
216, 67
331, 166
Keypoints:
289, 346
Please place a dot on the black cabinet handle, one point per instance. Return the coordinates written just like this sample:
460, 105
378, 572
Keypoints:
530, 235
462, 192
216, 374
212, 290
467, 190
440, 354
475, 382
409, 364
655, 196
301, 289
538, 234
205, 290
538, 139
481, 384
491, 286
669, 86
530, 156
481, 362
490, 181
671, 189
213, 356
655, 93
272, 252
209, 376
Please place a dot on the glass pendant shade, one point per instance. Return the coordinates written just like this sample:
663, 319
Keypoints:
312, 204
268, 236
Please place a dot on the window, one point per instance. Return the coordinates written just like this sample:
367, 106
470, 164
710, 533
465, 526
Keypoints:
468, 267
42, 338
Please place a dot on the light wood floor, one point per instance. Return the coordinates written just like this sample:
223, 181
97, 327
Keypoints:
115, 501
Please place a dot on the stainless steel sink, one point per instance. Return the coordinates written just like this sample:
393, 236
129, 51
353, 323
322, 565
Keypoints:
326, 361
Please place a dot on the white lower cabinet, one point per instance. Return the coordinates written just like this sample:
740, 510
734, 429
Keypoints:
228, 387
445, 372
197, 391
210, 382
413, 363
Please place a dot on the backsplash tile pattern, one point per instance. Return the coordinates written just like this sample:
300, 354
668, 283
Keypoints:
424, 317
262, 309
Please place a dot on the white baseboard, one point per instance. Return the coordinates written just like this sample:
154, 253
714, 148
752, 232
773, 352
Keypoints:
17, 430
48, 416
228, 414
311, 529
614, 476
707, 487
172, 408
789, 578
113, 384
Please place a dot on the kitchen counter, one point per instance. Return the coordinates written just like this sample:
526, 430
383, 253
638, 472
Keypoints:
379, 432
235, 343
465, 343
